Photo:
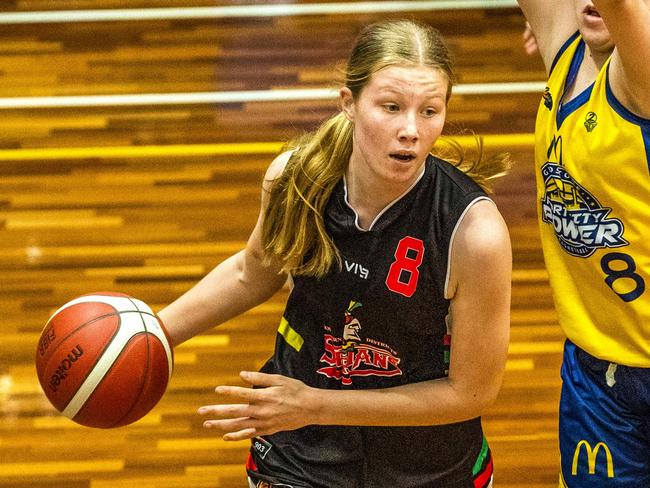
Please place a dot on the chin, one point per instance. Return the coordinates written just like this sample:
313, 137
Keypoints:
599, 41
596, 35
404, 173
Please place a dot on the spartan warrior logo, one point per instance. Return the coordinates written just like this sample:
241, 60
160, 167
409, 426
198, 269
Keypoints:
579, 220
350, 355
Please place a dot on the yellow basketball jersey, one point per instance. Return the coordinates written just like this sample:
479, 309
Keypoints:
592, 161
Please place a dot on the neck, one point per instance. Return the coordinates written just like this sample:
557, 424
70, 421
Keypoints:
596, 57
369, 197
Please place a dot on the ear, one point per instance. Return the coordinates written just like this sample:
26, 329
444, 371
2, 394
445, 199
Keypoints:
347, 103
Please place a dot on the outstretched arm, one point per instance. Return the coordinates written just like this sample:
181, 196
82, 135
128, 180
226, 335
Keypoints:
234, 286
480, 320
552, 22
628, 22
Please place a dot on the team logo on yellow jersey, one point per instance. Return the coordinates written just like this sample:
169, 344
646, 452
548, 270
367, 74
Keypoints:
579, 220
548, 98
591, 121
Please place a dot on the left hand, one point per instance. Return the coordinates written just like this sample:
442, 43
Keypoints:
278, 403
530, 41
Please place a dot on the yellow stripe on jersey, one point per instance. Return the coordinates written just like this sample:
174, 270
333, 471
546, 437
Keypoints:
292, 337
593, 189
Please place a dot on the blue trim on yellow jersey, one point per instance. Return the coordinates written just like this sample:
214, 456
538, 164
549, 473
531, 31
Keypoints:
631, 117
564, 47
576, 62
645, 131
621, 109
568, 108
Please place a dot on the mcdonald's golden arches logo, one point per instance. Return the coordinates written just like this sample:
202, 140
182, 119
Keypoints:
592, 458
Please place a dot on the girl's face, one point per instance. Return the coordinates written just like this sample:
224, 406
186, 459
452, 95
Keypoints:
397, 118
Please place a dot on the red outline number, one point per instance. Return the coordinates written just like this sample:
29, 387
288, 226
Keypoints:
405, 263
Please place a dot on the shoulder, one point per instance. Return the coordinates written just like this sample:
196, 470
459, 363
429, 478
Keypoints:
278, 165
454, 189
483, 229
276, 168
480, 247
450, 174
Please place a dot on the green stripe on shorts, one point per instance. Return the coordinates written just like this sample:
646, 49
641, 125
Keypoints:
481, 458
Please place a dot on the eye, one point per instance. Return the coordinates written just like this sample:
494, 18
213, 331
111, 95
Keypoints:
391, 107
429, 112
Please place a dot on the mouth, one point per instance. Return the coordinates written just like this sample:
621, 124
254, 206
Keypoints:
403, 156
591, 11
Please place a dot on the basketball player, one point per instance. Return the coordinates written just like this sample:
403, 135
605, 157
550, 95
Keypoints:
395, 257
593, 187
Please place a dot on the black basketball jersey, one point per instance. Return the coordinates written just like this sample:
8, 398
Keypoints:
377, 321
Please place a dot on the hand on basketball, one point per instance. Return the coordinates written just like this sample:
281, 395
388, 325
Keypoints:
277, 403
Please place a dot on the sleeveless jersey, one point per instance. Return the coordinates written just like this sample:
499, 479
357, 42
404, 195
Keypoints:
593, 188
380, 321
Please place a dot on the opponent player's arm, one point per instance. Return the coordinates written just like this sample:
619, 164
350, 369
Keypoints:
552, 22
237, 284
480, 314
628, 23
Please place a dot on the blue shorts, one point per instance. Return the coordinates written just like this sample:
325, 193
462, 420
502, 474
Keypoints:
604, 423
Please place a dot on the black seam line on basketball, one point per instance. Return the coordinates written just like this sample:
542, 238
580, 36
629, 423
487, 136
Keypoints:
144, 378
90, 370
108, 371
133, 303
155, 317
146, 371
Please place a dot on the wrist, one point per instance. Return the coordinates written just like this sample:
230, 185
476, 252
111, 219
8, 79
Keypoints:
315, 405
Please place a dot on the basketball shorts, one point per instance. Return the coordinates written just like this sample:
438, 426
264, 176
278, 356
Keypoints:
310, 457
604, 423
373, 457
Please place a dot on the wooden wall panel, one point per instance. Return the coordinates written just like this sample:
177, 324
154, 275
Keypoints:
151, 226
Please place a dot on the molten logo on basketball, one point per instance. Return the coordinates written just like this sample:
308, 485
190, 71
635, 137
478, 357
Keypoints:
48, 337
61, 372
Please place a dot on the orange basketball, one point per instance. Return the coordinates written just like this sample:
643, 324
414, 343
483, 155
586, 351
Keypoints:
104, 360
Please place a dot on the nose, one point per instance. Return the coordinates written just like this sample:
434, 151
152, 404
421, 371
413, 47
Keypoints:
408, 131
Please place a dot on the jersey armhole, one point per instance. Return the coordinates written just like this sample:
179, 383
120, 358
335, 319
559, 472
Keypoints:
619, 108
629, 116
564, 47
453, 235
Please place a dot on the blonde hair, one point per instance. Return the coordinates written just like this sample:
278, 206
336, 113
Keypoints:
294, 231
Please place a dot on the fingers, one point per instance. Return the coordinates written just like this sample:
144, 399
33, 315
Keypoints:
253, 411
262, 379
233, 429
237, 392
226, 411
242, 435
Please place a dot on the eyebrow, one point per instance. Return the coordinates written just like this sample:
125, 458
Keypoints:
430, 94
